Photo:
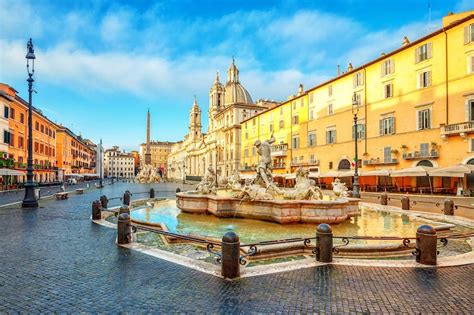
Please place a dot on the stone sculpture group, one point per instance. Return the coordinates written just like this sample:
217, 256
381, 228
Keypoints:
262, 187
148, 175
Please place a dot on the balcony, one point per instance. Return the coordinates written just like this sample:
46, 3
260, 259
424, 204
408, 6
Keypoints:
457, 129
279, 165
379, 161
279, 150
418, 155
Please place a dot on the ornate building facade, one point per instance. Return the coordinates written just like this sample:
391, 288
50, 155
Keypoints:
229, 105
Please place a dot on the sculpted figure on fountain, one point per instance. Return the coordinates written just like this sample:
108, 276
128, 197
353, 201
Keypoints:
208, 183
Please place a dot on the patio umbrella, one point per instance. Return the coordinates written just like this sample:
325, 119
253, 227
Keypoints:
417, 171
453, 171
377, 173
348, 173
10, 172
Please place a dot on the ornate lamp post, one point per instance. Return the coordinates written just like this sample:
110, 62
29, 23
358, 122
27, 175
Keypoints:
29, 201
355, 111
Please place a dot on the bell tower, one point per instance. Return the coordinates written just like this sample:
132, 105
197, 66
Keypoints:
216, 100
195, 121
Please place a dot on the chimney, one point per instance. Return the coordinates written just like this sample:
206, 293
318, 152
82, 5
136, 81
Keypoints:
300, 89
406, 41
338, 70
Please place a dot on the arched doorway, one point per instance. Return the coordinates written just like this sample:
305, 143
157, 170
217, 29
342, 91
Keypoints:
344, 164
425, 163
470, 162
424, 181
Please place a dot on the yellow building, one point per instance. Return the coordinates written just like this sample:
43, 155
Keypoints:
416, 107
159, 151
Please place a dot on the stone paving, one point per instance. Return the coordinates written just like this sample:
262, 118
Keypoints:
54, 259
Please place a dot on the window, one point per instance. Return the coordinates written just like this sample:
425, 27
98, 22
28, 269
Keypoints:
295, 142
469, 34
424, 119
246, 135
311, 113
423, 52
470, 109
330, 136
470, 64
330, 90
330, 165
302, 102
6, 136
294, 105
281, 124
254, 151
424, 79
360, 131
37, 126
42, 128
246, 153
295, 120
6, 112
330, 109
388, 90
387, 67
12, 113
424, 149
22, 118
20, 142
387, 126
358, 97
271, 127
358, 79
311, 139
387, 154
311, 98
471, 142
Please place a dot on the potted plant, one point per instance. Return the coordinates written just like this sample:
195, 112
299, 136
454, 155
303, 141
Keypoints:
394, 151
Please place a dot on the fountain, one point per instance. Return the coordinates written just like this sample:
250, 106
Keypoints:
261, 199
148, 175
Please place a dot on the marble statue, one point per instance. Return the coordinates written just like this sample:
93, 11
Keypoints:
148, 175
339, 189
234, 181
305, 188
251, 192
208, 183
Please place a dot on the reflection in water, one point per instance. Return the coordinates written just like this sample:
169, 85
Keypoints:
369, 223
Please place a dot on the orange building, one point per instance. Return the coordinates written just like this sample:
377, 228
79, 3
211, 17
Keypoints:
74, 156
15, 109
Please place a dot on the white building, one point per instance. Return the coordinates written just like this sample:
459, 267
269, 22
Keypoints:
118, 164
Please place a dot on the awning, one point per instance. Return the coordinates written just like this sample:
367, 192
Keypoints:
313, 174
10, 172
412, 171
348, 173
382, 172
453, 171
290, 176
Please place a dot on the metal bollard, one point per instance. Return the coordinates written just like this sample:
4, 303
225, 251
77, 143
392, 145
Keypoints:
405, 203
384, 199
96, 210
324, 243
230, 255
126, 198
426, 242
124, 229
104, 201
152, 193
448, 207
178, 190
124, 209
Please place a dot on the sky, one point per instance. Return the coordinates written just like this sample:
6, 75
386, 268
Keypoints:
101, 64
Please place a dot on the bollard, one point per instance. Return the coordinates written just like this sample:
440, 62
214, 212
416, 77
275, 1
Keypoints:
124, 229
152, 193
324, 243
448, 207
104, 201
178, 190
405, 203
96, 210
426, 242
124, 209
126, 198
230, 255
384, 199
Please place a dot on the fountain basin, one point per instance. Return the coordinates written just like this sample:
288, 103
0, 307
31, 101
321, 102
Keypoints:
281, 211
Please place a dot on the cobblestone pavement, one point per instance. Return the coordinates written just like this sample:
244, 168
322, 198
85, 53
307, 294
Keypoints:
54, 259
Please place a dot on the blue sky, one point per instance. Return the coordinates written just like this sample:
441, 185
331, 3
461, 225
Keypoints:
101, 64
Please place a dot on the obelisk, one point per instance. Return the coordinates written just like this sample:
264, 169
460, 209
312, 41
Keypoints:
147, 149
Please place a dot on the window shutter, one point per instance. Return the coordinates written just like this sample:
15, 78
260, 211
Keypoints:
382, 66
417, 57
428, 78
468, 110
466, 35
419, 120
354, 81
381, 127
428, 112
392, 119
392, 66
429, 49
327, 137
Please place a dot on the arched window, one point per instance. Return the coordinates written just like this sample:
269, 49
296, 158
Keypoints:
425, 163
344, 165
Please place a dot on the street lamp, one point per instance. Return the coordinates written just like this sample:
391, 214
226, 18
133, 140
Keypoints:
30, 201
355, 111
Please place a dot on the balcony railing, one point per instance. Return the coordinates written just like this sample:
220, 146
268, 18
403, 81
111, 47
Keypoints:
309, 163
417, 155
459, 128
379, 161
279, 165
279, 149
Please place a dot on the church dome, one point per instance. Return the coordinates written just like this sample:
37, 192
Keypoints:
234, 92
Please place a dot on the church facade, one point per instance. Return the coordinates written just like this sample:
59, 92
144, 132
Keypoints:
220, 146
